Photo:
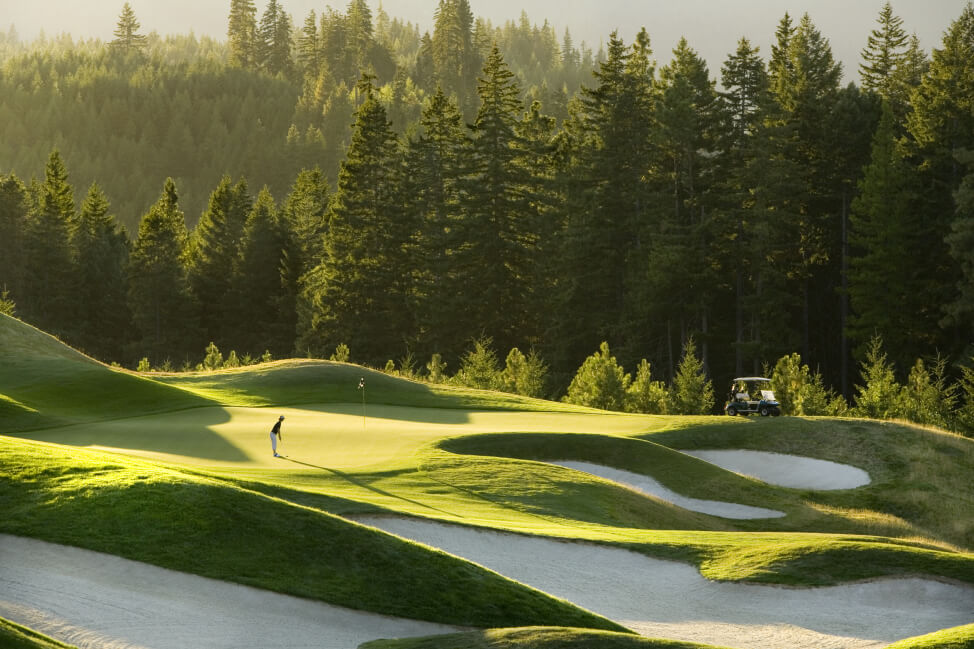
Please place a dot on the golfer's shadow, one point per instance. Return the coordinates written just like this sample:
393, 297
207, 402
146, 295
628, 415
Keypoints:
365, 485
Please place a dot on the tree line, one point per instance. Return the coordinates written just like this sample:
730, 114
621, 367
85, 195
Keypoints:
782, 212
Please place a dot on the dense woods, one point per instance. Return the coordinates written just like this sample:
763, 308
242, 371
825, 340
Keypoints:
346, 180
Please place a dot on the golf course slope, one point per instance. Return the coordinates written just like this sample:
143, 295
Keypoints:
457, 516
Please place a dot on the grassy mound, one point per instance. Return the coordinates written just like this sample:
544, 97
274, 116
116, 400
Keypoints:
959, 637
533, 638
157, 515
46, 383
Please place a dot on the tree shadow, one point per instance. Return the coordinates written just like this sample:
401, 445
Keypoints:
365, 485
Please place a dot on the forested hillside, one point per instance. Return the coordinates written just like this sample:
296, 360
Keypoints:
344, 179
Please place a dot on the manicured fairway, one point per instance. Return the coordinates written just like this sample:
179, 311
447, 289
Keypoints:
328, 435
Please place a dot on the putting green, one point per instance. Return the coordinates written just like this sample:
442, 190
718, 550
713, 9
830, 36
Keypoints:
332, 435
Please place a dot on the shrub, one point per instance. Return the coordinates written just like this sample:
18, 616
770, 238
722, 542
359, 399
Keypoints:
479, 368
7, 305
692, 393
525, 375
646, 395
144, 365
802, 393
926, 398
600, 382
435, 368
232, 361
341, 354
877, 399
213, 359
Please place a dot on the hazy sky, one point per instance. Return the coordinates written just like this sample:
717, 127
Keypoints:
712, 27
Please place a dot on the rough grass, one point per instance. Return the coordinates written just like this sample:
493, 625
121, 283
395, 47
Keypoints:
161, 516
14, 636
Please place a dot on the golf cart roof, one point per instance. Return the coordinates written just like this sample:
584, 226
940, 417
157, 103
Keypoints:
752, 378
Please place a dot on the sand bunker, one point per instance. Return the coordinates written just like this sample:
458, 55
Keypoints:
645, 484
95, 600
787, 470
669, 599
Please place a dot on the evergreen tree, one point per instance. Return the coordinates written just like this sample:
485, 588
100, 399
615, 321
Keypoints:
49, 293
600, 382
358, 295
309, 47
158, 292
678, 278
942, 125
691, 393
101, 248
961, 243
877, 399
262, 300
645, 395
887, 297
127, 36
607, 202
497, 236
211, 261
13, 230
883, 55
274, 40
455, 59
435, 163
242, 34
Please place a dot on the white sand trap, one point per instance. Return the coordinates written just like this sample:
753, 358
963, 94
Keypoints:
672, 600
95, 600
787, 470
645, 484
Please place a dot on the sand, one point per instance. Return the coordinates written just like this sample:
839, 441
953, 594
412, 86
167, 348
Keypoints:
670, 599
95, 600
646, 485
787, 470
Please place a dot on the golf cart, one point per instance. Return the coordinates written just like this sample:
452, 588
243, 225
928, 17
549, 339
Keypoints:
752, 394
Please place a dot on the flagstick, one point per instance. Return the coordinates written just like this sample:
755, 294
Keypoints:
361, 385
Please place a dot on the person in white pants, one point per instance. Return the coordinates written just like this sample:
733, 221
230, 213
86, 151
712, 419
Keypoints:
276, 435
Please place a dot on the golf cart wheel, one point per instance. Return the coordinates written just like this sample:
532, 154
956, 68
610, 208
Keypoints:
765, 411
731, 411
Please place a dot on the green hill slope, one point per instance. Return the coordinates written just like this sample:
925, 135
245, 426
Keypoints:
44, 383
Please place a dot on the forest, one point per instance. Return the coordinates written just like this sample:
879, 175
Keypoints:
345, 182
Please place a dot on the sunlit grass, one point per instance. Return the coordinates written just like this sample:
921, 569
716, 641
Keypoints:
533, 638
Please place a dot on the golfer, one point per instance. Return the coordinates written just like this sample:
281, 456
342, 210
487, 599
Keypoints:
276, 435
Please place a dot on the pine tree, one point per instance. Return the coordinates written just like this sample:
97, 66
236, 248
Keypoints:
13, 231
678, 278
127, 36
101, 248
883, 55
49, 292
607, 202
309, 48
942, 125
158, 292
358, 295
435, 162
600, 382
888, 298
497, 236
455, 58
242, 34
262, 300
691, 393
211, 258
